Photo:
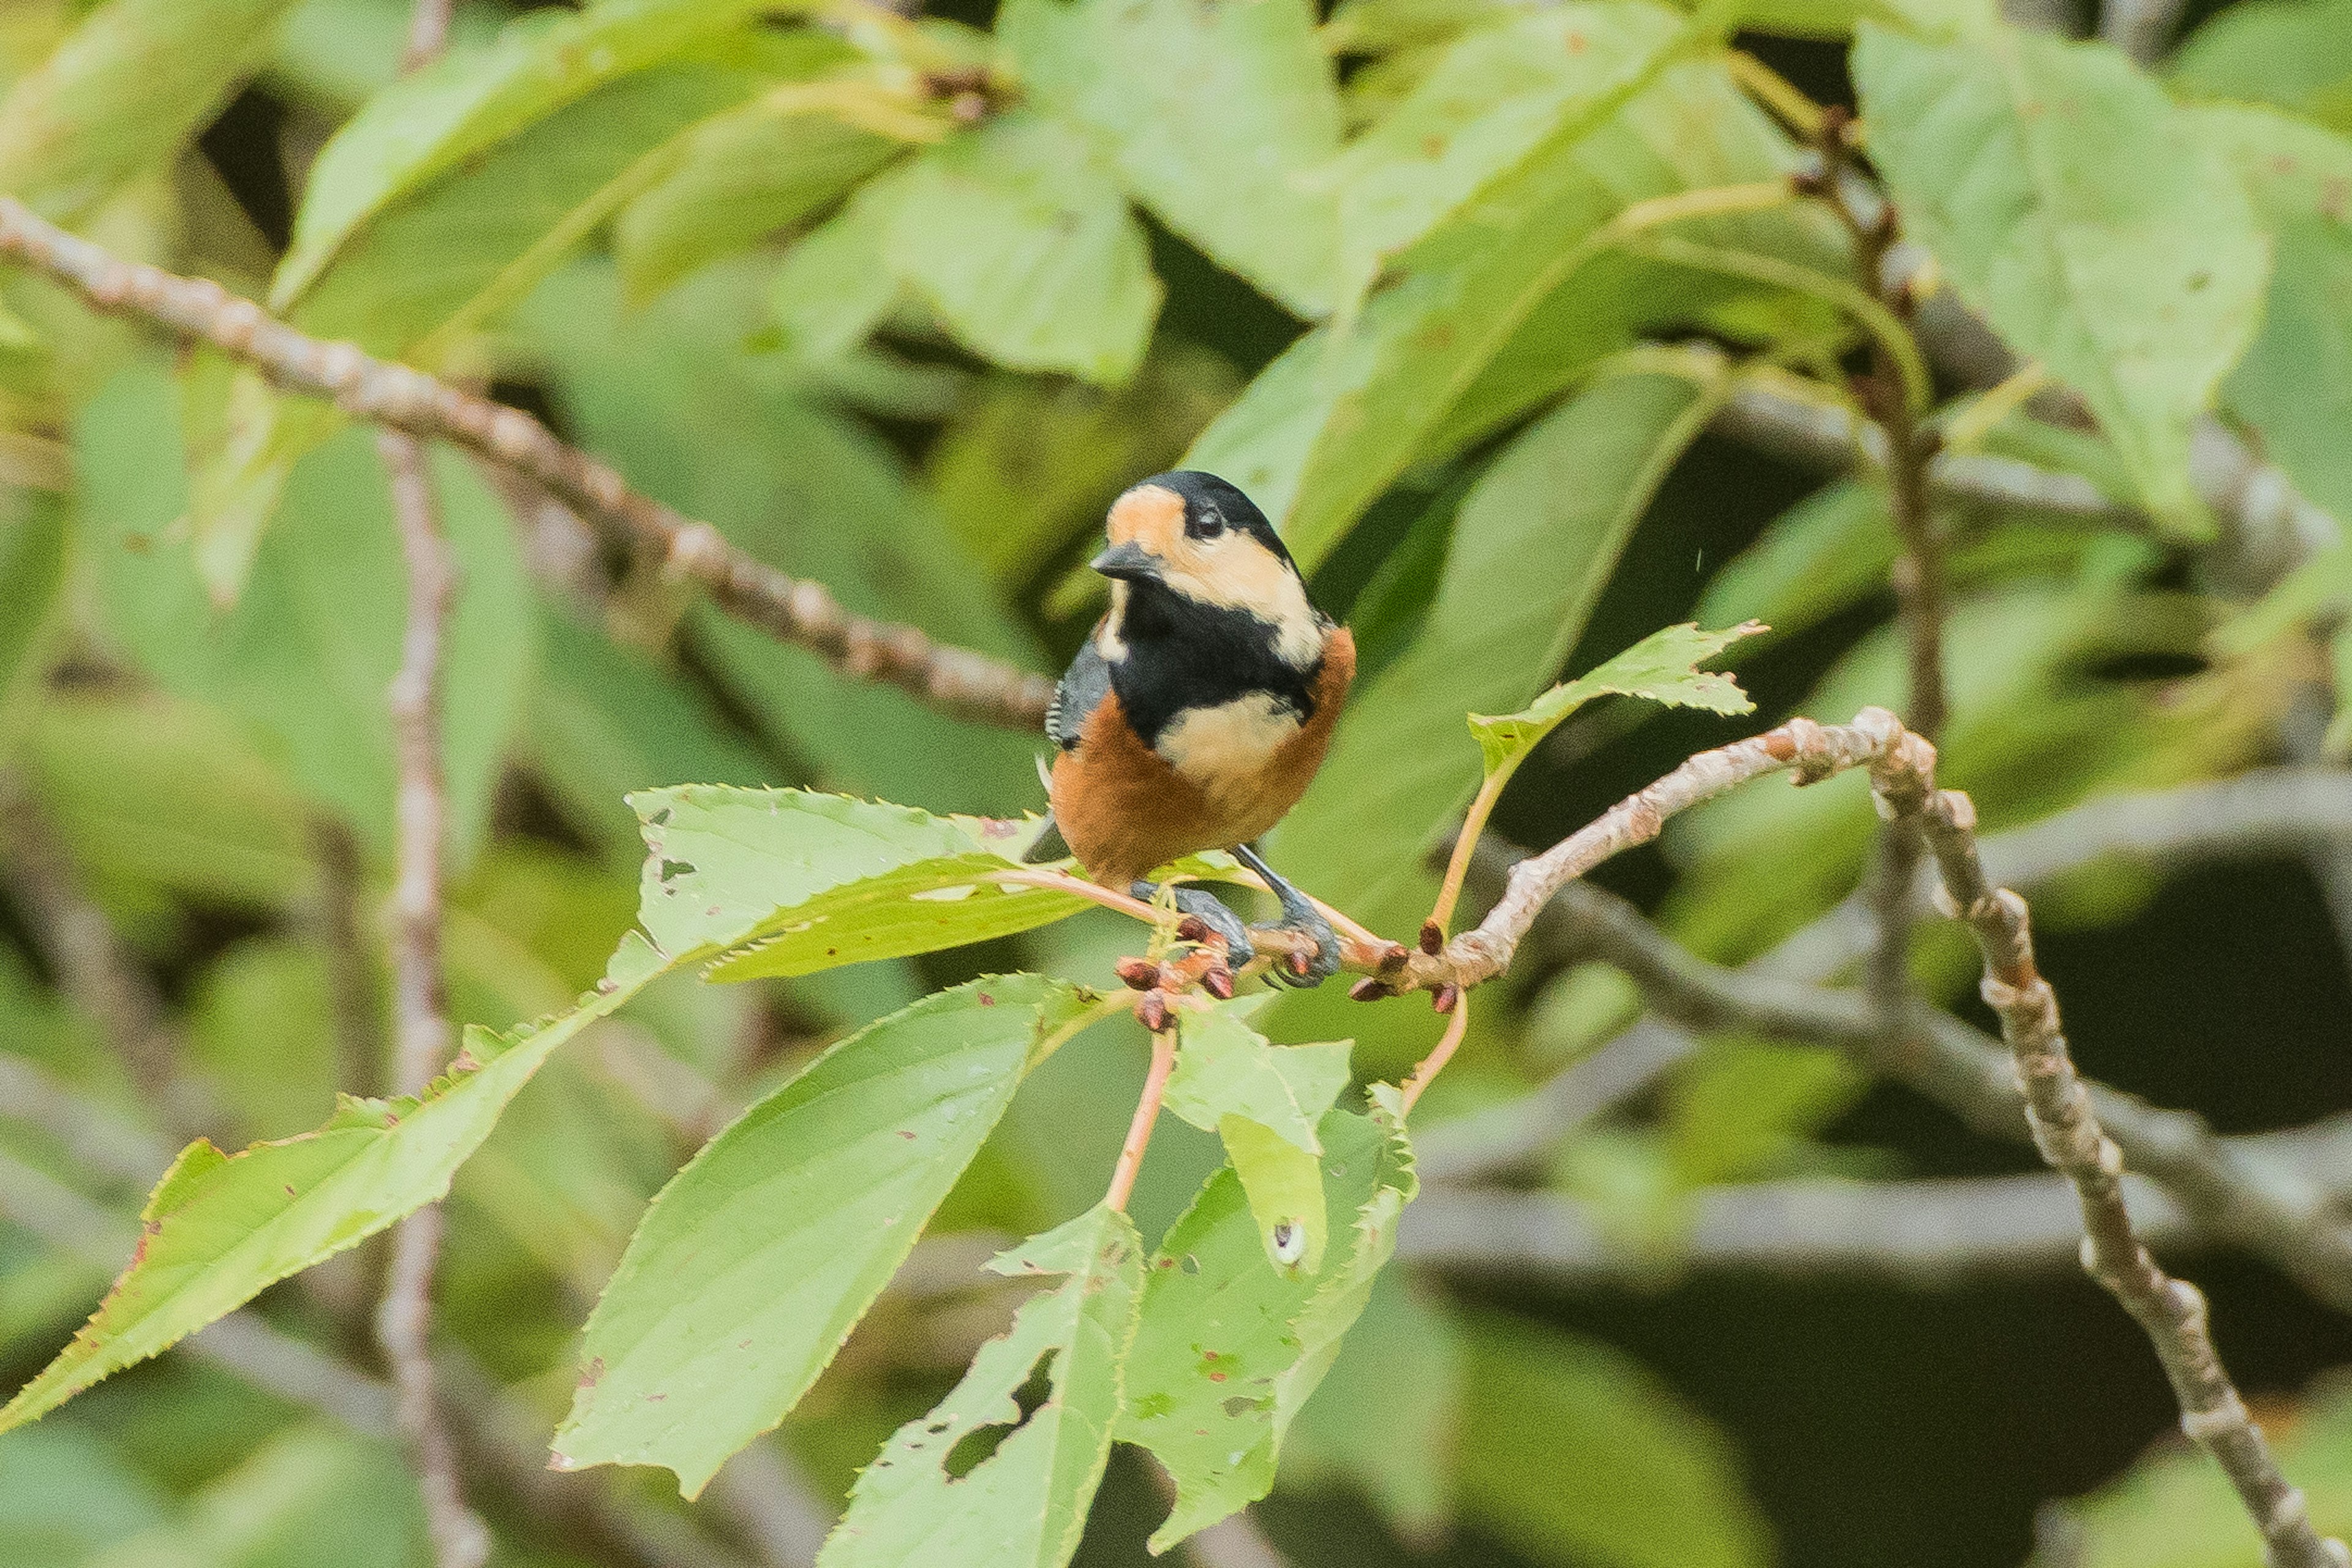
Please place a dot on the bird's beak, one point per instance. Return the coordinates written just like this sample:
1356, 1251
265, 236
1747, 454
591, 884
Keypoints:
1128, 561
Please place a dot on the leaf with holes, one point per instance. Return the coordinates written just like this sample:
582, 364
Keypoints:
1662, 667
1264, 1101
220, 1227
2082, 214
1024, 1505
754, 1263
761, 882
1231, 1346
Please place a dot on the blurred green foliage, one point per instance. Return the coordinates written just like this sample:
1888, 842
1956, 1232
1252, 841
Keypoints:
1454, 288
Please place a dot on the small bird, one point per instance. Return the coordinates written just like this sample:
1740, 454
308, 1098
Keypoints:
1201, 706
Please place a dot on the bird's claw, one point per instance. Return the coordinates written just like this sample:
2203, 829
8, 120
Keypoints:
1307, 920
1220, 921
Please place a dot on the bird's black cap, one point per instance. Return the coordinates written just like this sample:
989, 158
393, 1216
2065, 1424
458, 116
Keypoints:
1202, 491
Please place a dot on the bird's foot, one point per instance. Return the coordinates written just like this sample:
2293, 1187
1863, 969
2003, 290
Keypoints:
1206, 908
1298, 914
1307, 920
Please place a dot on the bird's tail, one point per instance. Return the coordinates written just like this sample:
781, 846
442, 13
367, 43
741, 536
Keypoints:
1049, 844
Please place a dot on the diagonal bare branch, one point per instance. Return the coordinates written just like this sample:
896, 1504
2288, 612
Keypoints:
2069, 1130
957, 680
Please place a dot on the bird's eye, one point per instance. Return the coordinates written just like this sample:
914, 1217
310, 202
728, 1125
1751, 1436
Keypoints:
1203, 521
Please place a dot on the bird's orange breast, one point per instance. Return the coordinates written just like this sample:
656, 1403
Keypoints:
1220, 776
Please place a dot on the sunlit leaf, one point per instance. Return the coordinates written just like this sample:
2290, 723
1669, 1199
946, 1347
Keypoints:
1231, 1346
754, 1263
755, 171
1533, 544
767, 881
1224, 1067
2083, 216
1216, 115
220, 1227
433, 121
1027, 251
1024, 1505
1326, 428
1663, 668
120, 96
2296, 53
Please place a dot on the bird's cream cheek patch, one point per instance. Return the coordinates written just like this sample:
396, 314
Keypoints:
1223, 750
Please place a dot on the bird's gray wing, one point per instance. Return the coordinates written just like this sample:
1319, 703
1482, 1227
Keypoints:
1080, 692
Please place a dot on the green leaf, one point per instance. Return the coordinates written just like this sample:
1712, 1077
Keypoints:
606, 722
305, 657
1224, 1067
221, 1228
1264, 1102
2080, 213
65, 1497
1572, 1452
753, 1264
2292, 168
1838, 19
421, 222
1493, 98
120, 95
753, 172
1284, 1185
837, 283
2294, 385
1026, 249
1534, 541
671, 397
2296, 53
1231, 1346
1023, 1506
1662, 668
435, 120
1829, 551
1741, 1111
310, 1494
758, 882
1326, 428
1388, 1414
1216, 115
33, 565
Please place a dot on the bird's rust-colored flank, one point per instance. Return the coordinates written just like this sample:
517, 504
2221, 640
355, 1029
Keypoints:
1125, 810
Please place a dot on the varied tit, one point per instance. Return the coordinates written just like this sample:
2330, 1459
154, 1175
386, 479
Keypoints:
1196, 714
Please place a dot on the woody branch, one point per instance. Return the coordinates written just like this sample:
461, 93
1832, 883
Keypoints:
958, 680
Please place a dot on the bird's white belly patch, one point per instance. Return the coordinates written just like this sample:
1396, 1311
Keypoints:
1225, 749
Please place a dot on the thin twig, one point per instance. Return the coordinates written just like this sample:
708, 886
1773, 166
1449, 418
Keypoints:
2274, 811
1146, 1115
1969, 1074
957, 680
2069, 1133
428, 32
1812, 752
420, 1028
1927, 1233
